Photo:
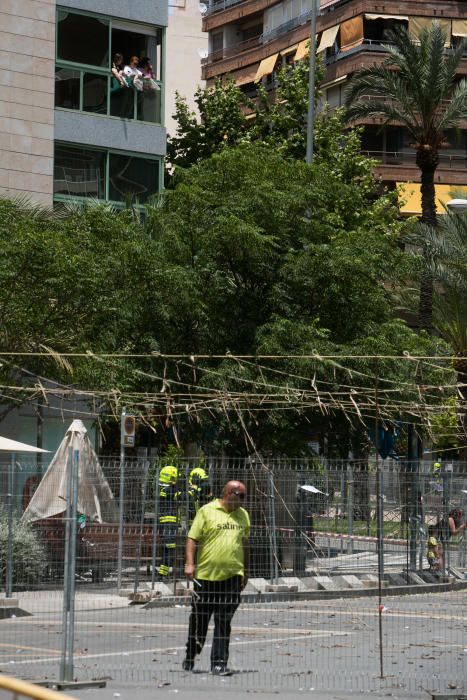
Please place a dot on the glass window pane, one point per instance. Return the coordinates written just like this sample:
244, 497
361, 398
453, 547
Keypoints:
67, 88
133, 179
95, 93
149, 103
82, 39
122, 100
79, 172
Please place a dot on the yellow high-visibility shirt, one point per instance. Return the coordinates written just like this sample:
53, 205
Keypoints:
220, 536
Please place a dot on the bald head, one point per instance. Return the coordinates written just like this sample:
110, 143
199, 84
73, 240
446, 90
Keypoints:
233, 486
233, 495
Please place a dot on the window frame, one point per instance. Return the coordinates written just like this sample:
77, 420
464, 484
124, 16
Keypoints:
108, 152
106, 71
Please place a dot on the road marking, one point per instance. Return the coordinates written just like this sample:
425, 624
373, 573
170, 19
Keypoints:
136, 652
23, 646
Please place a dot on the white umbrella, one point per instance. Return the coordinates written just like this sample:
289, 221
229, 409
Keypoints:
95, 498
7, 445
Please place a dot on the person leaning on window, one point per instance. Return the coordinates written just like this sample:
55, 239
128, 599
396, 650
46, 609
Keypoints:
131, 71
117, 70
217, 554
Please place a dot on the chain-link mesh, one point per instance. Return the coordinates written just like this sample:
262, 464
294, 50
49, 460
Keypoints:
321, 534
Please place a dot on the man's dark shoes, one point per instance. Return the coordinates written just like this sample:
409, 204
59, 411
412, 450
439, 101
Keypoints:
188, 664
220, 670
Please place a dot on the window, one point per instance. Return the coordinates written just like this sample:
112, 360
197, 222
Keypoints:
82, 39
132, 178
86, 46
217, 42
81, 172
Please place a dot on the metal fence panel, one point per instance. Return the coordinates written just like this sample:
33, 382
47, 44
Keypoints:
314, 529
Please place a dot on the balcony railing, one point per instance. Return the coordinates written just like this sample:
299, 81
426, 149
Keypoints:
446, 160
219, 5
259, 40
96, 91
286, 27
233, 50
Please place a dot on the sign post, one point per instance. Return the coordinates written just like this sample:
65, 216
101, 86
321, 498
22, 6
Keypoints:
127, 439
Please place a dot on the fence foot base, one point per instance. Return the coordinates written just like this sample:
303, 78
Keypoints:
66, 685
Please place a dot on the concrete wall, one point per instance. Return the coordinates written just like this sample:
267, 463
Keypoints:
27, 53
146, 11
185, 39
121, 134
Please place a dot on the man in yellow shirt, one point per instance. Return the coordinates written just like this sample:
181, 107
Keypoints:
217, 559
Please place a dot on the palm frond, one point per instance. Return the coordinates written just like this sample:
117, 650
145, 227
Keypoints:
388, 112
456, 109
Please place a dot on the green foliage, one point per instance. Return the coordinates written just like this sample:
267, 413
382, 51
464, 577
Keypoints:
29, 556
444, 428
220, 122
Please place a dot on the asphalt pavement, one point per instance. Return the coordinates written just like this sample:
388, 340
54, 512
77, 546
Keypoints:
326, 648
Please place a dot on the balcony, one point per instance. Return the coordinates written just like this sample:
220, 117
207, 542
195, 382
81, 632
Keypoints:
260, 40
446, 161
95, 91
219, 5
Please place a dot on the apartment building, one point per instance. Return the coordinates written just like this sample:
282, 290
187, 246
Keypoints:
187, 44
68, 129
251, 39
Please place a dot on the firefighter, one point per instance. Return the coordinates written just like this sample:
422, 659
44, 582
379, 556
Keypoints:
199, 491
168, 516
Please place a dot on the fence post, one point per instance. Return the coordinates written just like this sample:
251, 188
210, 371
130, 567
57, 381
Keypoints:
272, 529
66, 662
155, 528
141, 527
121, 517
350, 507
9, 556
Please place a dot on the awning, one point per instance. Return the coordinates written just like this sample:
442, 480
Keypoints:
411, 194
303, 49
328, 38
459, 27
352, 33
291, 49
418, 24
336, 81
245, 75
401, 18
266, 67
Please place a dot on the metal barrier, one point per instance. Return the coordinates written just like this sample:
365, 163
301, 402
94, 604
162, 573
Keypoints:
322, 533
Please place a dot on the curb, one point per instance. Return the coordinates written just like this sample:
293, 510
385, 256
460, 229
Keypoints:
251, 598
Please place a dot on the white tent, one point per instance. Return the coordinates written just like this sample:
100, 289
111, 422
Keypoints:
7, 445
95, 499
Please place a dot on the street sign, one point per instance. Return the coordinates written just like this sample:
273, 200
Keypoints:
127, 430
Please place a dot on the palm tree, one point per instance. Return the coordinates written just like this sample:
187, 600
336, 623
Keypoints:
445, 257
416, 87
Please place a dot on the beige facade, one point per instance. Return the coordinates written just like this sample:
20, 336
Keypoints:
186, 43
27, 53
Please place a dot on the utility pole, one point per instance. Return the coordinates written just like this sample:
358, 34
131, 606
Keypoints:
311, 84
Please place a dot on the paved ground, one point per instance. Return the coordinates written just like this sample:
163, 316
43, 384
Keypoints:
328, 648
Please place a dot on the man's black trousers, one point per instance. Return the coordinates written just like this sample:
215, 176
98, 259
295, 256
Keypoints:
220, 598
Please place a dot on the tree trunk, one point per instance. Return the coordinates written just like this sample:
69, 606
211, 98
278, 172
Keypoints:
427, 161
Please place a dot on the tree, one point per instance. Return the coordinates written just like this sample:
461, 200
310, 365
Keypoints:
220, 122
445, 259
275, 263
416, 87
72, 283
